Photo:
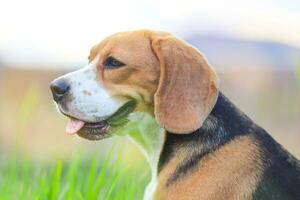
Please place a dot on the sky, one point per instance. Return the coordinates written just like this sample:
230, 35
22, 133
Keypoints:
59, 33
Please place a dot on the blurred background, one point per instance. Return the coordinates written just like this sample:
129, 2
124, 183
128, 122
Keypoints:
253, 45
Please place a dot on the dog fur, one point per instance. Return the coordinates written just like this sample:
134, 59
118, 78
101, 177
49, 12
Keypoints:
209, 150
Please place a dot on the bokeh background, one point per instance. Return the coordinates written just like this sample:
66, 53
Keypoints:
253, 45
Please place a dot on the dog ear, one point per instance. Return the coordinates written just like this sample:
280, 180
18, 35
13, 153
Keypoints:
188, 86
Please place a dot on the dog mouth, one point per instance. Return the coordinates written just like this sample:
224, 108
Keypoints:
91, 131
103, 128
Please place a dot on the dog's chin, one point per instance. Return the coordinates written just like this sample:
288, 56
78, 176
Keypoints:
95, 131
92, 131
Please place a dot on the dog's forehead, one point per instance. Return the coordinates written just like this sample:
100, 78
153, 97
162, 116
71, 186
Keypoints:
130, 41
130, 47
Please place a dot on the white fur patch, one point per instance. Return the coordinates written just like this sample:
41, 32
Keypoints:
87, 99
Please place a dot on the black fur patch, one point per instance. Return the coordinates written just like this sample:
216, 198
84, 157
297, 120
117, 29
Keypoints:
223, 125
281, 177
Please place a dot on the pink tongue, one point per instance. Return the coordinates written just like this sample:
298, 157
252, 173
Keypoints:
73, 126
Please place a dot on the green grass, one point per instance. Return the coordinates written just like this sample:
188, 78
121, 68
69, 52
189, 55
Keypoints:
81, 177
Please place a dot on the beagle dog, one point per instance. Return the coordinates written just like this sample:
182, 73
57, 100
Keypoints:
209, 149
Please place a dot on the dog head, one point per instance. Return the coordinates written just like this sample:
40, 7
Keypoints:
143, 71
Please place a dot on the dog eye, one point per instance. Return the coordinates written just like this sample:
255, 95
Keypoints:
111, 63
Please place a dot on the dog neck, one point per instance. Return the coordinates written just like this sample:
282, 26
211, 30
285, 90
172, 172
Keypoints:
224, 124
150, 143
159, 147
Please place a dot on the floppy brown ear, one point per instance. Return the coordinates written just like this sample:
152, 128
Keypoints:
188, 86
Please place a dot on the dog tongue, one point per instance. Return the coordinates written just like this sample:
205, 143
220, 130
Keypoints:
73, 126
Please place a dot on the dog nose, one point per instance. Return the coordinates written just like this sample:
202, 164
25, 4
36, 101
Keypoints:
59, 89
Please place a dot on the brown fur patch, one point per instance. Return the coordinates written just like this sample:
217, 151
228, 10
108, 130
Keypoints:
231, 172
